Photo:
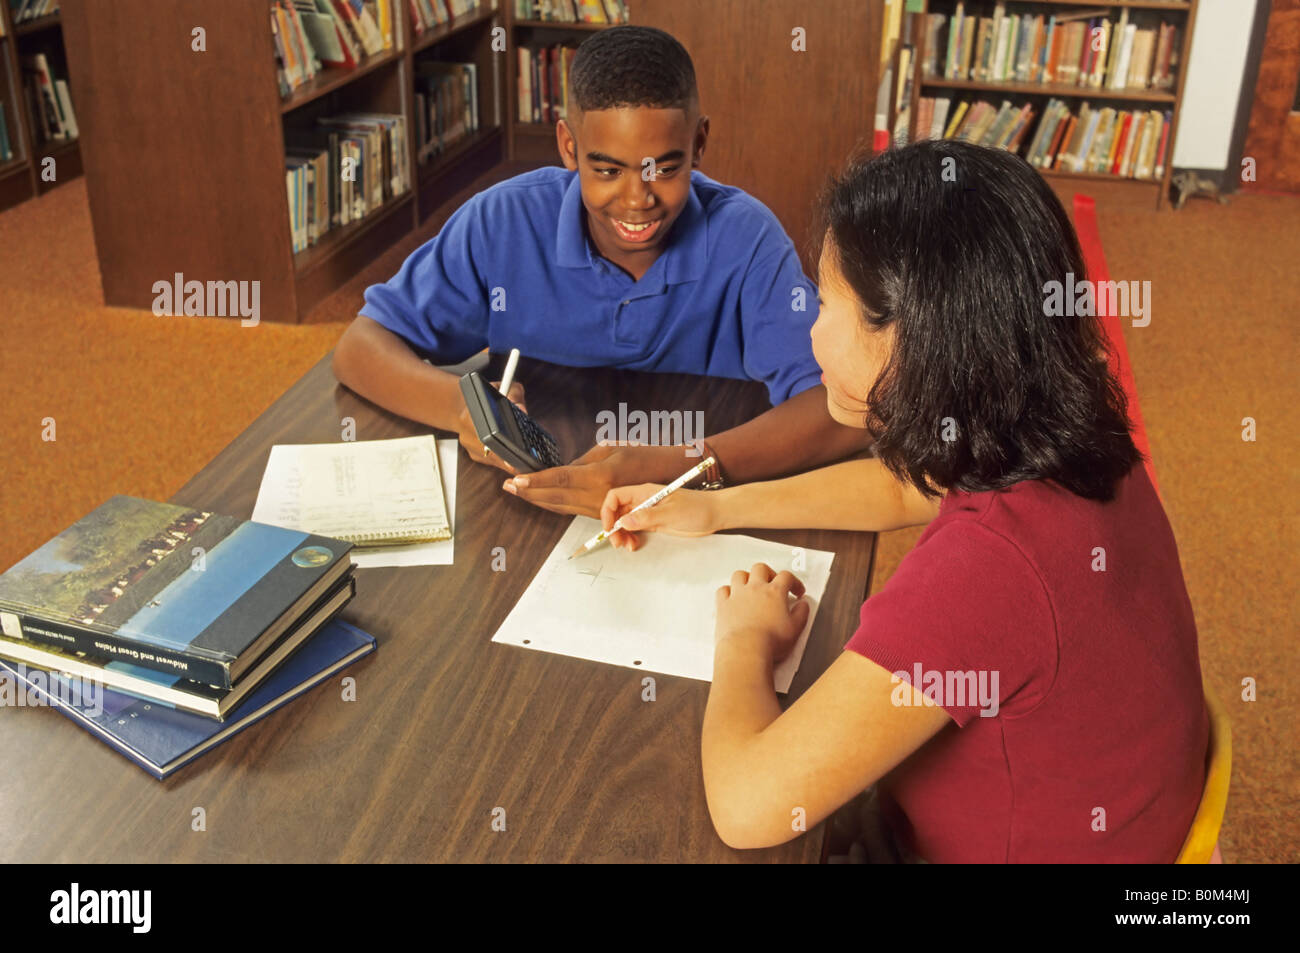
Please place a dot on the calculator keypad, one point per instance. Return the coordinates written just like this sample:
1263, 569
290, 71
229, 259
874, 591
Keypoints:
537, 441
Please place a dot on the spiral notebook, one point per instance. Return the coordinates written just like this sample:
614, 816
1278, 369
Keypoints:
367, 492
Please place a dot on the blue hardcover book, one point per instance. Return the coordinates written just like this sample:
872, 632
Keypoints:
161, 739
169, 588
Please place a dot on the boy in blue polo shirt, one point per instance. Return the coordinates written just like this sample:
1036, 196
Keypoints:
624, 258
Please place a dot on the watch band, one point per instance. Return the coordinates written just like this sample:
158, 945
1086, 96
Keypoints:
713, 479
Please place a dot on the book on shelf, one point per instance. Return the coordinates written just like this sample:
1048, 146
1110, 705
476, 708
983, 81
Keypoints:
903, 100
447, 106
542, 84
312, 35
573, 11
891, 30
341, 170
25, 10
50, 101
1091, 49
168, 588
161, 739
6, 147
1126, 143
880, 129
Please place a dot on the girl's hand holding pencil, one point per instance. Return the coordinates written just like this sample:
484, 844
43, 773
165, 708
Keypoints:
683, 513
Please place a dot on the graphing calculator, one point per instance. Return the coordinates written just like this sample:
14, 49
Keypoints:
505, 429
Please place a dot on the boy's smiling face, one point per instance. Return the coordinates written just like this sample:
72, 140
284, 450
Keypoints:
630, 211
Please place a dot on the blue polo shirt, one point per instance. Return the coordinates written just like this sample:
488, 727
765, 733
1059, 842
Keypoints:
513, 267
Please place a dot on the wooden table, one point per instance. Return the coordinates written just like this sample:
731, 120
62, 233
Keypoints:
446, 725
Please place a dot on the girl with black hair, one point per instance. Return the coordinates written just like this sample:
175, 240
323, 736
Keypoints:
1026, 687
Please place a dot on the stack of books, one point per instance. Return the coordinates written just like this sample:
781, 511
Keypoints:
446, 105
543, 82
572, 11
171, 610
341, 170
313, 34
1073, 49
24, 10
49, 99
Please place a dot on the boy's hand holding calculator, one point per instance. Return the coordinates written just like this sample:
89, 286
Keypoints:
515, 442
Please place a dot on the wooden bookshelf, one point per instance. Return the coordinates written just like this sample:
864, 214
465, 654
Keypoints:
1181, 12
1058, 90
195, 182
21, 177
535, 141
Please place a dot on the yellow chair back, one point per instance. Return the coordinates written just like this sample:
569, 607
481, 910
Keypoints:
1203, 838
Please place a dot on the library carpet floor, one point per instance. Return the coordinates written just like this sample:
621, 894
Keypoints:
139, 403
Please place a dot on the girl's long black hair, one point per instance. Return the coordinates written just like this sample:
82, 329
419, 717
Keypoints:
954, 245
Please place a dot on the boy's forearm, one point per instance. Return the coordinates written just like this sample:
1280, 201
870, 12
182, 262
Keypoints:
854, 495
796, 435
379, 366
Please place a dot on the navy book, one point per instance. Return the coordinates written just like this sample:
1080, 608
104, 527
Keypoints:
161, 739
168, 588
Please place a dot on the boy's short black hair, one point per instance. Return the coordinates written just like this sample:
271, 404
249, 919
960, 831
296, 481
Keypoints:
959, 265
632, 66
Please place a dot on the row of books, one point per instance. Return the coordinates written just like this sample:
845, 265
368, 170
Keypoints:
342, 170
1125, 143
313, 34
24, 10
6, 147
446, 105
152, 624
1075, 49
427, 14
49, 99
543, 82
572, 11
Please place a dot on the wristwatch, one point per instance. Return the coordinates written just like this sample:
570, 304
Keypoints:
713, 479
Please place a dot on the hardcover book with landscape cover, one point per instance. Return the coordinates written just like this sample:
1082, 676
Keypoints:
168, 588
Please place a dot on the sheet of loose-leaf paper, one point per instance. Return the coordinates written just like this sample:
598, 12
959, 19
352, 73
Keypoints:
652, 609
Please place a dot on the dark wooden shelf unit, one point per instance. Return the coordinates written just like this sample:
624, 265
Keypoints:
191, 174
332, 78
560, 25
1059, 90
1183, 14
1175, 6
21, 178
47, 22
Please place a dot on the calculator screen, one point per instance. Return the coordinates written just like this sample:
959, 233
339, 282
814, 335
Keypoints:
505, 418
